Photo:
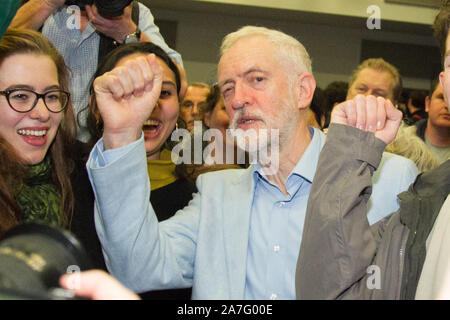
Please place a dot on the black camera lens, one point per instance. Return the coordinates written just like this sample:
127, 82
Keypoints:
111, 8
34, 256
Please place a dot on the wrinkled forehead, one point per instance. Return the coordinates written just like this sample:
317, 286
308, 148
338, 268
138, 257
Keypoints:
253, 52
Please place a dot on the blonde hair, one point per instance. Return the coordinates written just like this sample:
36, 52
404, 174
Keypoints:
409, 145
379, 64
289, 47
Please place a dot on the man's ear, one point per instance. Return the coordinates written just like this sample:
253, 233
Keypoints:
307, 85
427, 103
442, 82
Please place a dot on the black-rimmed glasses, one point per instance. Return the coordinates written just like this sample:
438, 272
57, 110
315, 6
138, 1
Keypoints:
24, 100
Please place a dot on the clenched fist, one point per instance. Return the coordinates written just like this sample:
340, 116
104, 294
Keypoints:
369, 113
126, 97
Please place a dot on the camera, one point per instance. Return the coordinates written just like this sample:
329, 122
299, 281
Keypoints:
32, 259
106, 8
111, 8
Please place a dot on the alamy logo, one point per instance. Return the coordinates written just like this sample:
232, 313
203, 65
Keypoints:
374, 280
74, 282
374, 20
74, 20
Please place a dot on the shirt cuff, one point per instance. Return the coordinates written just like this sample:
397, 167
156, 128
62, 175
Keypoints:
102, 158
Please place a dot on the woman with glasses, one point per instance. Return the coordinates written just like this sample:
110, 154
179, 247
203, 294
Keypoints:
42, 169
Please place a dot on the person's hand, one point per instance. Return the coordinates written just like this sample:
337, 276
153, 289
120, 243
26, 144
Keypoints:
96, 285
126, 97
369, 113
116, 28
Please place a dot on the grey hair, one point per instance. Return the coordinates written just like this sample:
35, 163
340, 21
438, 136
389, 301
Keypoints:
409, 145
290, 47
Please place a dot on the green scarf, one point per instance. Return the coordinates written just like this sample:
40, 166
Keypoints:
39, 199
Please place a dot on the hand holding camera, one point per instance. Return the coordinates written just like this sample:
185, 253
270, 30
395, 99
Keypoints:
110, 17
117, 27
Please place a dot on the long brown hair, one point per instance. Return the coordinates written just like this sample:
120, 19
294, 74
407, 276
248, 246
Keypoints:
12, 168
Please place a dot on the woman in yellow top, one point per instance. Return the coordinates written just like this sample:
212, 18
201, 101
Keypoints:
170, 188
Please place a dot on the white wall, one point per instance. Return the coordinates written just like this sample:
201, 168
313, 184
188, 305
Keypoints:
335, 50
353, 8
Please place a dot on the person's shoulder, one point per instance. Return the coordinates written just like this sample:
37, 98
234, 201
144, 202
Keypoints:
396, 170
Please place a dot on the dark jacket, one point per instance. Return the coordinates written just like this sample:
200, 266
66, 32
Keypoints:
341, 255
83, 225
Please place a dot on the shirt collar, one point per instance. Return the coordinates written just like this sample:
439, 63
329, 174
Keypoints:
306, 166
63, 15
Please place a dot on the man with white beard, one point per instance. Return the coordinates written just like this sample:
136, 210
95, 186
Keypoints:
239, 237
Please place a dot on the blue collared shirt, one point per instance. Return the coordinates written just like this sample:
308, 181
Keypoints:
80, 52
276, 226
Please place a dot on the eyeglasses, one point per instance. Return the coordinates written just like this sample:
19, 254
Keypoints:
24, 100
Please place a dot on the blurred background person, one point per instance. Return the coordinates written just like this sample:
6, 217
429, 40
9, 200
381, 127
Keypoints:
435, 130
415, 107
427, 142
375, 76
336, 92
191, 110
318, 113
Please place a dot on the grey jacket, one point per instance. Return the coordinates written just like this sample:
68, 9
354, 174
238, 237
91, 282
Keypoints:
341, 256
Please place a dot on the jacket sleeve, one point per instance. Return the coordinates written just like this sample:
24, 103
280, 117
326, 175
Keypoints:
151, 30
338, 244
139, 252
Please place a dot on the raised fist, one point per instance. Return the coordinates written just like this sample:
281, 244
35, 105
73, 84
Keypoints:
126, 97
369, 113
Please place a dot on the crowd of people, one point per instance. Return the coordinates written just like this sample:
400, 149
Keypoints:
275, 189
